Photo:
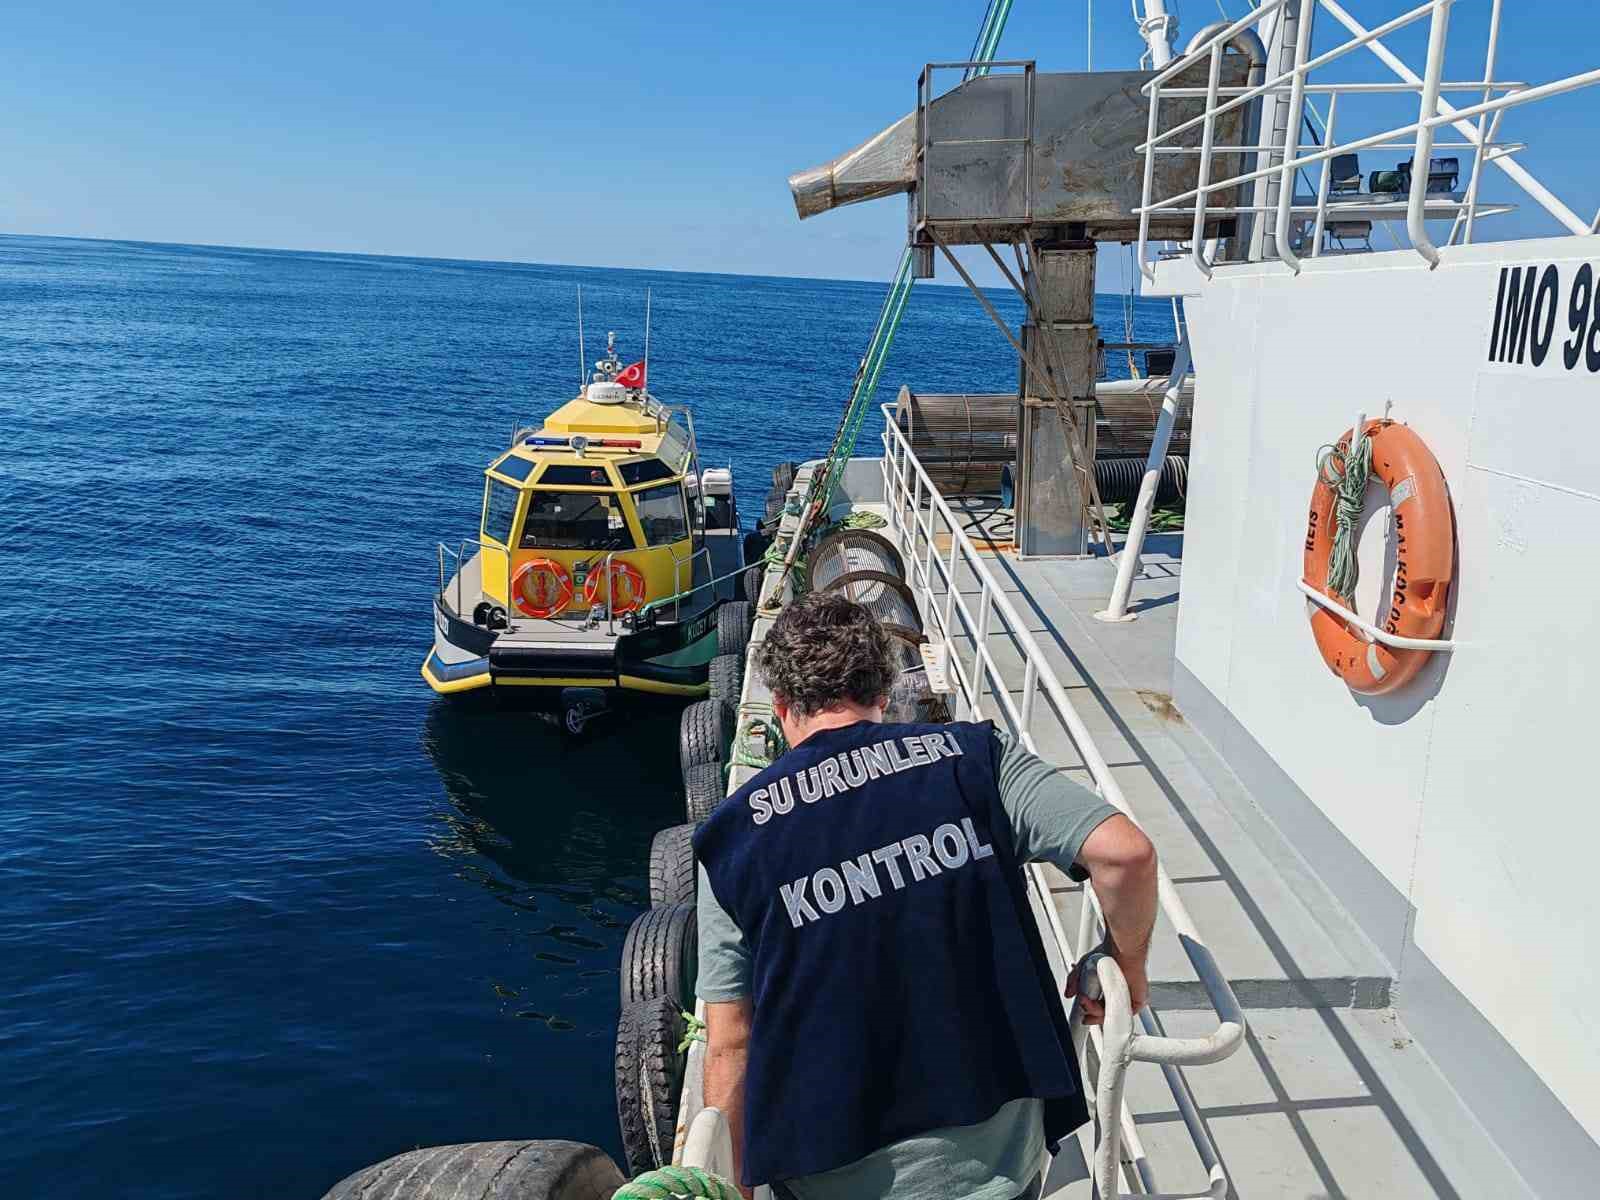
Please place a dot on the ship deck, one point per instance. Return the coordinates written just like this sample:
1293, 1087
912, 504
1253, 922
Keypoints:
1328, 1095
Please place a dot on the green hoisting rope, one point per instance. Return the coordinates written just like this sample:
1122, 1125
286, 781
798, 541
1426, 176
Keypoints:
994, 26
668, 1182
826, 478
1345, 471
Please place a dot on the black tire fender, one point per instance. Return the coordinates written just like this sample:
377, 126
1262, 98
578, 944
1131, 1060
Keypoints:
705, 731
661, 956
752, 580
735, 619
704, 787
544, 1170
672, 873
727, 678
649, 1079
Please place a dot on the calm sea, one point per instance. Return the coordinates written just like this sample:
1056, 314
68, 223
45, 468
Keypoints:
268, 911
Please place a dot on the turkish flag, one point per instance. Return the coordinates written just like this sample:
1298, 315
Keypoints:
632, 376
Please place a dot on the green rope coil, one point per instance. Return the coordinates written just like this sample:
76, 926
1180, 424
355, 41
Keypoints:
855, 519
694, 1030
666, 1183
765, 723
1346, 472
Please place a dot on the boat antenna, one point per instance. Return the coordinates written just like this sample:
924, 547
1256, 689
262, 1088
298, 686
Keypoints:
647, 341
583, 362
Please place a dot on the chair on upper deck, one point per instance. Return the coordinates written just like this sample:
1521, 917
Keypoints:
1344, 174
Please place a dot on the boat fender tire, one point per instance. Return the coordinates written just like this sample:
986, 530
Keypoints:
649, 1081
705, 731
752, 580
1425, 530
545, 1170
704, 787
755, 545
661, 956
672, 872
734, 621
726, 674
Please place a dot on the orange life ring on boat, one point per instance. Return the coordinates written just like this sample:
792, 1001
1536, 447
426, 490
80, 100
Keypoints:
541, 588
627, 586
1424, 530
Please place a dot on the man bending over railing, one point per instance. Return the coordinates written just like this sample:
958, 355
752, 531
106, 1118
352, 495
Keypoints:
880, 1017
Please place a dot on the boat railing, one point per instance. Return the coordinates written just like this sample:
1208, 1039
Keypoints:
922, 520
459, 556
1419, 200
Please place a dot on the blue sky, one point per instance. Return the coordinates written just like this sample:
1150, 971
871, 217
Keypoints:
613, 132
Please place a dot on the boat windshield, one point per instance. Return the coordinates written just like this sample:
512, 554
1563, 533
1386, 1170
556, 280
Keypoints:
662, 515
575, 521
674, 447
499, 510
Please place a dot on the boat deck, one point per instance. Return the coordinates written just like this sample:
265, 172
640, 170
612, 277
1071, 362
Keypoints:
723, 555
1329, 1096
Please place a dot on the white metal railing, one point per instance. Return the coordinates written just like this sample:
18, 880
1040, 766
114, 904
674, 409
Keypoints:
460, 557
920, 517
1434, 113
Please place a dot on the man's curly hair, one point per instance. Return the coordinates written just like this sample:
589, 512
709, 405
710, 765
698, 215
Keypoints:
823, 649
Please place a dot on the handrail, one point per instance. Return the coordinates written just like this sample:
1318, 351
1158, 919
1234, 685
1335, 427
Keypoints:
1421, 205
460, 555
913, 504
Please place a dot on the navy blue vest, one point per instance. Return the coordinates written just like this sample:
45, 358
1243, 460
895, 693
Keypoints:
899, 983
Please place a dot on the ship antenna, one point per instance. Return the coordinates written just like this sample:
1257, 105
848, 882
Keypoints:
583, 362
647, 341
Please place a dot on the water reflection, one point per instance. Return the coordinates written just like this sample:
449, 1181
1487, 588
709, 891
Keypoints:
557, 830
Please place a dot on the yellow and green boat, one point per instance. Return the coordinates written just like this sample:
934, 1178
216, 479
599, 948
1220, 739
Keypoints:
605, 560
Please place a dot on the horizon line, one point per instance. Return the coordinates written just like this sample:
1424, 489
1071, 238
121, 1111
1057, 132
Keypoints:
1003, 289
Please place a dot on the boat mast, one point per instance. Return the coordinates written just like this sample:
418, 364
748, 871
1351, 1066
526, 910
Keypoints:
583, 359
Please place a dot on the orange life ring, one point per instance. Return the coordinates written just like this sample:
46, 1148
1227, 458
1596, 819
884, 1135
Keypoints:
626, 597
541, 588
1424, 530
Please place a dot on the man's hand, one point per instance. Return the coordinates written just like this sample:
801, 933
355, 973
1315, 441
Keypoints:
1122, 866
1094, 1011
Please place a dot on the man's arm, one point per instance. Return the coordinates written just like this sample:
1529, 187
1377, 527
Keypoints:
724, 984
1055, 819
727, 1050
1122, 866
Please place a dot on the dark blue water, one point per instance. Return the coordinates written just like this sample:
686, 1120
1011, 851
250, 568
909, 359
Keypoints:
268, 911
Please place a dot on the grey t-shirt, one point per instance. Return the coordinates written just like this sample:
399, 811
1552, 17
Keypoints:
1051, 816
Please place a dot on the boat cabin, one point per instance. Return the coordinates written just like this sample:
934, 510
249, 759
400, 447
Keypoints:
606, 480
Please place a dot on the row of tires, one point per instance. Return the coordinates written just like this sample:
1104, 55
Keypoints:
660, 955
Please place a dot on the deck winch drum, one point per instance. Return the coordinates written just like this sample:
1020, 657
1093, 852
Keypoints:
847, 550
1424, 533
866, 568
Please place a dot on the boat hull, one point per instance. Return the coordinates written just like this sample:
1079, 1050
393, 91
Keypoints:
532, 668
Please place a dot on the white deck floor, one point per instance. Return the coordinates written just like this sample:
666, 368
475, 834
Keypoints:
1329, 1097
